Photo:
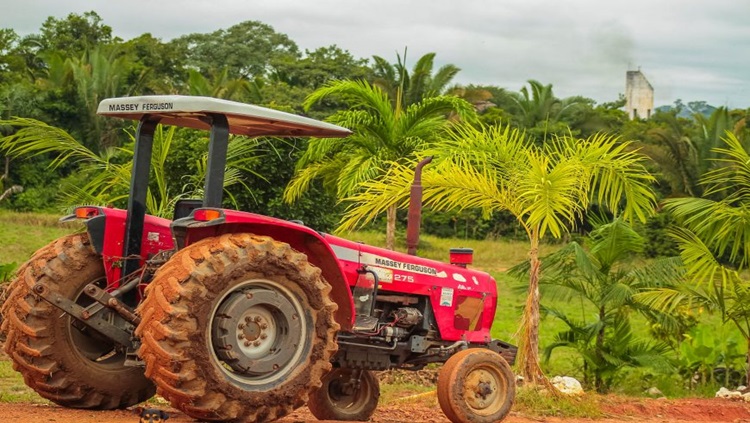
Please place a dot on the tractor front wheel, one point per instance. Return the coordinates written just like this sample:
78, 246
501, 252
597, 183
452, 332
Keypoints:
476, 385
237, 328
346, 394
67, 363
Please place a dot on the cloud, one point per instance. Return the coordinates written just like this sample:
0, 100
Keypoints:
689, 49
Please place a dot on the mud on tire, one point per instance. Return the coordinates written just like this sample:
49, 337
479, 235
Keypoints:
237, 328
71, 367
476, 385
332, 401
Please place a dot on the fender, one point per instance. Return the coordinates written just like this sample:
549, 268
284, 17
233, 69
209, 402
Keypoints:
106, 229
210, 222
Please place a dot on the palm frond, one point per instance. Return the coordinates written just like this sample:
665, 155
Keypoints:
701, 265
35, 137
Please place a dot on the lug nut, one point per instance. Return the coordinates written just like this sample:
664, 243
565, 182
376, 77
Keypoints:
264, 326
249, 295
263, 336
256, 343
248, 319
247, 343
276, 367
257, 319
241, 336
241, 326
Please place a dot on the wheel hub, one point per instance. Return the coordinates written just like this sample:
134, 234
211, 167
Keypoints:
481, 389
253, 331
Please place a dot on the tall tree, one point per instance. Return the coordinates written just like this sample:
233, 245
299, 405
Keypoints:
383, 135
246, 49
540, 113
88, 78
602, 275
421, 83
159, 62
11, 65
711, 129
74, 34
547, 189
670, 146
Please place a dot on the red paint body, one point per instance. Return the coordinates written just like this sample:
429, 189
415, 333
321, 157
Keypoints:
156, 237
446, 285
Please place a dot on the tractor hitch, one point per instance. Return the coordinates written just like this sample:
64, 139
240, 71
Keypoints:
92, 320
108, 300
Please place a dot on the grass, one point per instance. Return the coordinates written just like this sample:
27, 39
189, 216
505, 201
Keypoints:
534, 403
24, 233
394, 393
12, 388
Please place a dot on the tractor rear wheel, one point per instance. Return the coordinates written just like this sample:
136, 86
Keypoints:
340, 399
476, 385
67, 364
237, 328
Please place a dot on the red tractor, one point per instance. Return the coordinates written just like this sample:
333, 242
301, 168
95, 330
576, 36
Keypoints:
234, 316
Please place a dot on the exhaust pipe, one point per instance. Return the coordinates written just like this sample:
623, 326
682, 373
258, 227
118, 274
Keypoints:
415, 209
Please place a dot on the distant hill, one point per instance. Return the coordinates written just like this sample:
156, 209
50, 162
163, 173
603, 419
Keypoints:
687, 110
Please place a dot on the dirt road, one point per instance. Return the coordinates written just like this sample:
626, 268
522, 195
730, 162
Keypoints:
618, 409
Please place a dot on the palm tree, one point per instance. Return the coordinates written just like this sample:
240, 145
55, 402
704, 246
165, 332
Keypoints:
96, 74
383, 135
539, 111
416, 86
711, 131
671, 148
714, 242
545, 188
602, 278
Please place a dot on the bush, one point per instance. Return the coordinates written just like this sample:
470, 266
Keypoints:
658, 241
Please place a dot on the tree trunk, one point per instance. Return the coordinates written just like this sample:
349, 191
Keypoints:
598, 382
528, 358
390, 229
747, 368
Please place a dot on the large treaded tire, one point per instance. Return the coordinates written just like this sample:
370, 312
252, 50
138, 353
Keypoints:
329, 402
198, 287
48, 351
476, 385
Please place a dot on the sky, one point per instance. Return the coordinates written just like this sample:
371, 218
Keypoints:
688, 49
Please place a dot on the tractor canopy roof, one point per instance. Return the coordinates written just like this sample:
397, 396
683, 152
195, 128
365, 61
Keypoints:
195, 112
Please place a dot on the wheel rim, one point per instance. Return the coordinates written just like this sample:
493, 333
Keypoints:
97, 349
256, 330
346, 398
483, 390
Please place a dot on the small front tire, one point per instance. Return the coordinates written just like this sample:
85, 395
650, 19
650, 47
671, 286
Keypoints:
476, 385
337, 399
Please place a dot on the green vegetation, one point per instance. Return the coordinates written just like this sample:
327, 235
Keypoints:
12, 388
24, 233
536, 403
